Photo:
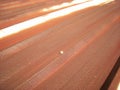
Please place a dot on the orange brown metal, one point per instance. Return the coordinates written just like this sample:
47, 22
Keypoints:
90, 45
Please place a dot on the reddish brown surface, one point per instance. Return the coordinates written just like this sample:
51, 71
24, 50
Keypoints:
15, 11
116, 81
90, 40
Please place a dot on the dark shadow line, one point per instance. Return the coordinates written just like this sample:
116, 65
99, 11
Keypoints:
111, 76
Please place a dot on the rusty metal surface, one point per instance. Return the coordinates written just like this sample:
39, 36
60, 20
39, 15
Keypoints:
75, 52
112, 81
13, 8
116, 81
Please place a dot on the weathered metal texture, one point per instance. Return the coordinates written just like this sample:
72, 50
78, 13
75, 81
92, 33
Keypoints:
114, 85
75, 52
13, 8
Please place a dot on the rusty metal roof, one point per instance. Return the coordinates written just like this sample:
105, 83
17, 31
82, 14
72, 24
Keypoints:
73, 52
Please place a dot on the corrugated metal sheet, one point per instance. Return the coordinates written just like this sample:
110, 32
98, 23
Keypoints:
75, 52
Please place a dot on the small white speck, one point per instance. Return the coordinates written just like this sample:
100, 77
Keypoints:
61, 52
